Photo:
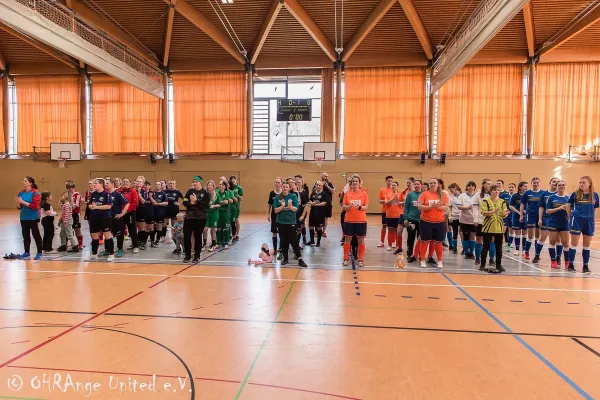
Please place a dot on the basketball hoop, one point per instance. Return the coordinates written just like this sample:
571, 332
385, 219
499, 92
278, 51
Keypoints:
62, 162
319, 161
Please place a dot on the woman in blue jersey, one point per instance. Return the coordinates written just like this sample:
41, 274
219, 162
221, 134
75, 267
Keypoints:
556, 212
530, 204
543, 221
584, 202
100, 205
159, 203
519, 219
512, 189
28, 202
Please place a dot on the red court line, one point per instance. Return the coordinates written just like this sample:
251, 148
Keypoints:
119, 373
67, 331
24, 341
304, 390
159, 282
185, 269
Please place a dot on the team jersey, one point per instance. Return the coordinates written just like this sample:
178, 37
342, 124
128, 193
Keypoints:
100, 199
302, 201
383, 193
286, 216
454, 211
76, 202
319, 197
515, 201
237, 192
531, 202
493, 223
584, 208
544, 200
160, 197
272, 195
434, 215
143, 197
118, 202
222, 196
359, 199
411, 206
393, 210
504, 195
559, 218
212, 202
173, 196
467, 217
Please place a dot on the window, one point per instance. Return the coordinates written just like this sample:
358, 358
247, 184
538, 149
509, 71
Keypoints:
12, 115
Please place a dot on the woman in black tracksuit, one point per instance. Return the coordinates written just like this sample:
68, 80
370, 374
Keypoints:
196, 201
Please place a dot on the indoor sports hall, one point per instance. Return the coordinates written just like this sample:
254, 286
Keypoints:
299, 199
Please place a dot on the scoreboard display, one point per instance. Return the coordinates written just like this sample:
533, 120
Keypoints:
294, 110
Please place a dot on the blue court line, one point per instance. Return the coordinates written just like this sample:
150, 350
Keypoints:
522, 341
355, 276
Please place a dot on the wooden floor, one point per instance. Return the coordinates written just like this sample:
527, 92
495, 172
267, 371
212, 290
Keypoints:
150, 327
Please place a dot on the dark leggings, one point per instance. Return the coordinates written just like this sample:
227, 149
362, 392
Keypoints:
487, 240
195, 227
29, 228
129, 221
413, 233
455, 224
287, 235
48, 226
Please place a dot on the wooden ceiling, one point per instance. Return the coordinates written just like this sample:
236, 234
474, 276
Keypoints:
289, 43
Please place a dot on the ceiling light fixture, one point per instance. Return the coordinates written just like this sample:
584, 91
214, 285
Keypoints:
227, 1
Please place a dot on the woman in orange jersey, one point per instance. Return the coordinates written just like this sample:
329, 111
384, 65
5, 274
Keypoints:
383, 194
393, 210
433, 205
356, 204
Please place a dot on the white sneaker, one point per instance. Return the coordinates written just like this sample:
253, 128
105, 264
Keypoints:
423, 264
380, 244
136, 250
93, 257
394, 245
440, 265
516, 253
111, 258
226, 247
389, 248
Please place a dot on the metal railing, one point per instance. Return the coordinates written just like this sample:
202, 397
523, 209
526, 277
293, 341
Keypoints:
581, 153
59, 15
287, 154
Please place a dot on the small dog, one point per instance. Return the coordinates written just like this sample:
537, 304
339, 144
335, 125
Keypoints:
400, 262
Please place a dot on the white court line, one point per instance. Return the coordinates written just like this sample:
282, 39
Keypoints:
316, 281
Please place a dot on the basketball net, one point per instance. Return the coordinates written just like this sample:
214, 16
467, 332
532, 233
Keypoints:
62, 162
319, 161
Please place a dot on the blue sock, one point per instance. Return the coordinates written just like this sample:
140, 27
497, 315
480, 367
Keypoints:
586, 255
517, 242
492, 252
472, 247
572, 253
449, 238
552, 251
559, 250
539, 246
465, 245
478, 247
510, 240
566, 254
454, 243
527, 246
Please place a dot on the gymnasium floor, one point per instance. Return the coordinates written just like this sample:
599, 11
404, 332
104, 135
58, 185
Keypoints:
223, 330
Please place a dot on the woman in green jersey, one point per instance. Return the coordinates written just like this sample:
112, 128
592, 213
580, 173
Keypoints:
224, 199
212, 217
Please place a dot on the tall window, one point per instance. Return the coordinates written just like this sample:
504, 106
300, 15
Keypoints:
272, 137
12, 115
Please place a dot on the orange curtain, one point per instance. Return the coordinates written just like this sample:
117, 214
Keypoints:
124, 118
480, 111
210, 112
327, 105
385, 111
567, 107
47, 111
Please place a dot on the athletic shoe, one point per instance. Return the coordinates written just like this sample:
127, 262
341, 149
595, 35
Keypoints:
212, 248
508, 248
398, 251
585, 270
526, 255
389, 248
53, 252
431, 261
39, 255
74, 249
394, 245
81, 247
492, 263
154, 245
130, 247
477, 261
469, 257
103, 254
24, 256
455, 251
500, 269
126, 237
554, 265
226, 247
361, 263
177, 252
318, 244
93, 257
143, 246
451, 248
440, 265
536, 259
324, 234
301, 263
62, 248
444, 244
381, 244
120, 253
187, 259
423, 264
346, 263
279, 255
558, 260
284, 262
196, 259
516, 253
163, 239
571, 268
136, 250
411, 259
110, 258
566, 264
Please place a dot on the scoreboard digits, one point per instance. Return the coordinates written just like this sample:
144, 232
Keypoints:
293, 110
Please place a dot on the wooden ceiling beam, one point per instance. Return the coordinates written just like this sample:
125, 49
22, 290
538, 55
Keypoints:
577, 54
105, 25
499, 57
587, 18
205, 64
265, 29
388, 60
312, 28
41, 46
417, 24
529, 28
202, 23
2, 63
366, 27
169, 32
43, 68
